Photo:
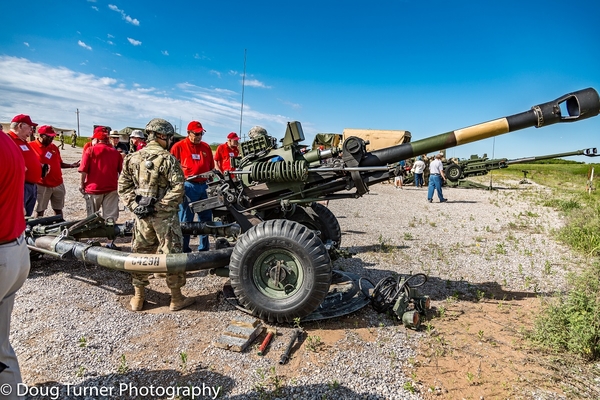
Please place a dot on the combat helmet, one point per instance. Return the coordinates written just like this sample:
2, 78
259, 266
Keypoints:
257, 131
160, 126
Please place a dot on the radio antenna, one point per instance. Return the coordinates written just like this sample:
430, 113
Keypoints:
242, 106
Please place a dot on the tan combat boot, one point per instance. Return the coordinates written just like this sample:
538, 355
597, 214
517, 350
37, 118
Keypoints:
179, 301
137, 301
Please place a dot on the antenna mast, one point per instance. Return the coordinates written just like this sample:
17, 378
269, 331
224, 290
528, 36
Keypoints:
243, 86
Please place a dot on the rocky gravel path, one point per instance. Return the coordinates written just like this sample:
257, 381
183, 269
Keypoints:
76, 338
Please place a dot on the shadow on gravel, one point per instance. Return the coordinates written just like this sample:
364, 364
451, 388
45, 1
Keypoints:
169, 384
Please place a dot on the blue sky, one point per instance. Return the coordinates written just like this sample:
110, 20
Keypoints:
423, 66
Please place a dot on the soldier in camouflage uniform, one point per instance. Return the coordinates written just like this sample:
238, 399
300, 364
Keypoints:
257, 131
426, 170
151, 185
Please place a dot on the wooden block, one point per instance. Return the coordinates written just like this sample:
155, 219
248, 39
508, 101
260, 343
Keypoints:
239, 334
245, 321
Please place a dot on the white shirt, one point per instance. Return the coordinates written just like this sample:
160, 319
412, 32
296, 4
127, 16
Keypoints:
436, 167
419, 166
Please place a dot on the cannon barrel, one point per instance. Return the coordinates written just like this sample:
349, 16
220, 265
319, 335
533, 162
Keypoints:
579, 105
591, 152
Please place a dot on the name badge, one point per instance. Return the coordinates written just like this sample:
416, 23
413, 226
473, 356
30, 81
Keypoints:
24, 147
195, 156
231, 154
48, 155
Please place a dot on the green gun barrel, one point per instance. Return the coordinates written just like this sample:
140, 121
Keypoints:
579, 105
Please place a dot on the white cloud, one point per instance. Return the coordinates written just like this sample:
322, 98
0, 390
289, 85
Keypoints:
134, 42
110, 36
110, 42
165, 53
256, 83
213, 72
52, 94
26, 44
85, 46
95, 8
126, 17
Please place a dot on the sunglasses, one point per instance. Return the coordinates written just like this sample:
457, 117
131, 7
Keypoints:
197, 133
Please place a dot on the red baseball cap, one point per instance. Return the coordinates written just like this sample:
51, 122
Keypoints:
26, 119
100, 133
233, 136
46, 130
195, 127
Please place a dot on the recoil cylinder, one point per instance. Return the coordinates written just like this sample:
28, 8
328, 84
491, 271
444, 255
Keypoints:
280, 171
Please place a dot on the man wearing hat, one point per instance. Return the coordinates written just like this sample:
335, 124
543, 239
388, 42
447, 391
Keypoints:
74, 139
195, 157
50, 188
100, 167
21, 128
226, 151
115, 140
151, 186
14, 254
138, 140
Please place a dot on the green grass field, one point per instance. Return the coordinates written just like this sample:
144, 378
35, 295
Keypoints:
570, 321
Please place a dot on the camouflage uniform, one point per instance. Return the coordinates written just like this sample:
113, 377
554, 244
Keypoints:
154, 172
426, 170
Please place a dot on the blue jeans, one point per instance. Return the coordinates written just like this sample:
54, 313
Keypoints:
194, 191
30, 198
435, 183
419, 180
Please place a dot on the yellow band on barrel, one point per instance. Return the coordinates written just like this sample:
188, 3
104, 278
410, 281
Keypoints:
481, 131
146, 262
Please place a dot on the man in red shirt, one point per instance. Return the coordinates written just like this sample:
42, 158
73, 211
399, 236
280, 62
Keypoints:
21, 128
195, 157
226, 151
14, 255
50, 188
100, 167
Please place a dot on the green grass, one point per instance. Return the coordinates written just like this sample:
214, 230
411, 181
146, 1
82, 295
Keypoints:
570, 321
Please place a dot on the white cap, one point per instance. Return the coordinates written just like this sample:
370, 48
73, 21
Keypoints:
137, 133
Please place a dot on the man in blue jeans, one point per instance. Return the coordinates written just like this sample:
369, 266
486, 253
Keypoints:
436, 179
195, 157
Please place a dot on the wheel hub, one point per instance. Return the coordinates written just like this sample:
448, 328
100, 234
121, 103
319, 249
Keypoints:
277, 273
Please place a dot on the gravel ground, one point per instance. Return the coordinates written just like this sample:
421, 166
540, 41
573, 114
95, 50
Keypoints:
76, 338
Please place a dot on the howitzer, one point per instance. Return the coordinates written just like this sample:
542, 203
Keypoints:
477, 166
280, 269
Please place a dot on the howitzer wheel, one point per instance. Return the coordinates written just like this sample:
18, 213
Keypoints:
329, 225
319, 218
453, 172
280, 270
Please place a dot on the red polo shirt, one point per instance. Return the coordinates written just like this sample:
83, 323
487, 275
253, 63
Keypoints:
103, 164
194, 158
224, 154
33, 172
51, 156
12, 180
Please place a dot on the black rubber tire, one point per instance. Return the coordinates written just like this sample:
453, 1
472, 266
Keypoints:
328, 224
257, 250
453, 172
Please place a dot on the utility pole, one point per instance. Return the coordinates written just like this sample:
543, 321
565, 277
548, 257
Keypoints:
78, 131
243, 85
